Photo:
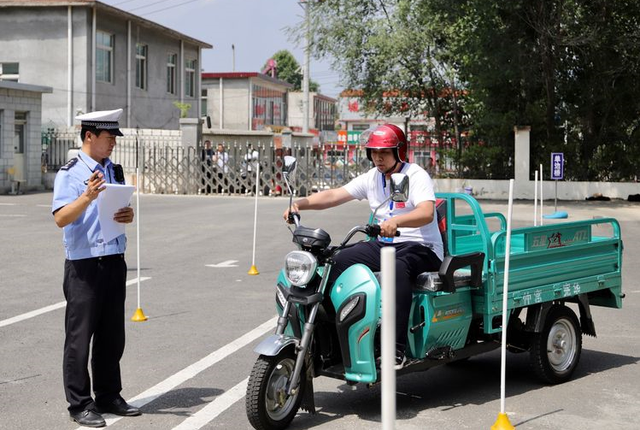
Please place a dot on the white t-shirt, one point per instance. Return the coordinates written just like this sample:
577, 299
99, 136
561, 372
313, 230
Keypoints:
223, 161
374, 187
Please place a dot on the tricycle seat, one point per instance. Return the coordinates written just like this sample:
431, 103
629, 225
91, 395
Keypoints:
453, 273
430, 281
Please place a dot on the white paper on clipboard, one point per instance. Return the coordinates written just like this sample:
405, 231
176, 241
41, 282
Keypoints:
110, 201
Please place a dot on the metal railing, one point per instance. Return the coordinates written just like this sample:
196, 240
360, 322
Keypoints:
179, 170
167, 167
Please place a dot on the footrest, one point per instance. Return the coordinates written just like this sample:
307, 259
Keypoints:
441, 353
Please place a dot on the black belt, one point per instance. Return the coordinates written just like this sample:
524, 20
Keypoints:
111, 257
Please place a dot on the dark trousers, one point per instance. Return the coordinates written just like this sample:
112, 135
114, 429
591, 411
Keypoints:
95, 289
412, 258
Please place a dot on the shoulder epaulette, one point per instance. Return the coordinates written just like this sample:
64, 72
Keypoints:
70, 164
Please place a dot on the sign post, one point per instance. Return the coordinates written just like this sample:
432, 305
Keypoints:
557, 171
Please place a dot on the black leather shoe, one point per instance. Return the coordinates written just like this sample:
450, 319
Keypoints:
88, 418
119, 407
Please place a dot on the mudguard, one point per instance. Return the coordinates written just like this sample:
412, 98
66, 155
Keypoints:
357, 329
275, 343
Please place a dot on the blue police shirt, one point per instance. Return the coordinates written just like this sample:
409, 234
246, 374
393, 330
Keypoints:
83, 237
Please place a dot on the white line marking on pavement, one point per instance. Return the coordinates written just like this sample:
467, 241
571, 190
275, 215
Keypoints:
43, 206
189, 372
8, 204
13, 215
49, 308
215, 408
228, 263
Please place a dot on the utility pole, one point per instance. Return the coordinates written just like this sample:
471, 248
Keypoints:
305, 71
233, 57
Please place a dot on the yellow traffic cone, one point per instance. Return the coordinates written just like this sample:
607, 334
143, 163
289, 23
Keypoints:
139, 316
502, 423
253, 270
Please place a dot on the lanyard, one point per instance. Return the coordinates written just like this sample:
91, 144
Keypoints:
384, 185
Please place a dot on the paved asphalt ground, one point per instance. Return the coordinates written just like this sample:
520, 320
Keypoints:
188, 364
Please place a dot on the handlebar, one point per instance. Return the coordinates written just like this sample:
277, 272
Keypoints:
372, 230
294, 218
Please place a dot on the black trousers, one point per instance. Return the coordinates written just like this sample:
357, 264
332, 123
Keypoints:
95, 289
412, 258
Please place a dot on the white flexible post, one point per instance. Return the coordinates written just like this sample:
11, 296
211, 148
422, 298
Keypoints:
505, 292
255, 215
541, 197
535, 199
138, 231
388, 271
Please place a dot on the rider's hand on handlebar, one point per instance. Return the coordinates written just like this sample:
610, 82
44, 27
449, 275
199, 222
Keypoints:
293, 210
388, 228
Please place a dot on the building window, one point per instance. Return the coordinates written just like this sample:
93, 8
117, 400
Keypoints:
9, 71
189, 78
172, 60
104, 56
20, 126
269, 107
141, 66
325, 113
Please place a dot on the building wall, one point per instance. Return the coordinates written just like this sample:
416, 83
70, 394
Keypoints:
12, 101
296, 111
235, 99
153, 106
36, 37
38, 42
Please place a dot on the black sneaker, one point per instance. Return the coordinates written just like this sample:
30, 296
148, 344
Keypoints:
401, 359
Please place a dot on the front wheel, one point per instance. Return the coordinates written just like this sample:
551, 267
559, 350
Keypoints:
267, 403
555, 351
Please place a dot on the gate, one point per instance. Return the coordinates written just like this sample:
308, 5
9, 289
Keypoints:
179, 170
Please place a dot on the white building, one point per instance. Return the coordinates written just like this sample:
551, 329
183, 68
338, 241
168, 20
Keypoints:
98, 57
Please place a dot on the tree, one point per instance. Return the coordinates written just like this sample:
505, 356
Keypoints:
390, 50
570, 69
289, 70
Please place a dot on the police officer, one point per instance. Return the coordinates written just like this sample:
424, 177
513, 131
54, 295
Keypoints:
94, 275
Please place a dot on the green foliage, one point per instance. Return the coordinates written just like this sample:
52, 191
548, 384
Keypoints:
183, 107
290, 71
570, 69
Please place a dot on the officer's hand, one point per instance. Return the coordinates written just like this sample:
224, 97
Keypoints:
388, 228
124, 215
294, 210
94, 185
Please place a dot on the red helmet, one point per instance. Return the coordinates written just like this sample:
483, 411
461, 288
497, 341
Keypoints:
402, 148
386, 136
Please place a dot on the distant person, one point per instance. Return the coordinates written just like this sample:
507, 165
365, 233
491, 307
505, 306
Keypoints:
95, 275
206, 159
221, 159
250, 164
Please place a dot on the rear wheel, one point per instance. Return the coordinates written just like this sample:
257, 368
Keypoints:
267, 403
555, 351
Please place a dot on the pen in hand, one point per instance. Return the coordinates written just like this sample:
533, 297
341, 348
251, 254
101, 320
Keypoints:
94, 185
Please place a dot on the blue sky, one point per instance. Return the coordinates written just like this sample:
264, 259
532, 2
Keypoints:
255, 27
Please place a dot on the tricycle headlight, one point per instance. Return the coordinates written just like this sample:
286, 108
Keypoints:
299, 267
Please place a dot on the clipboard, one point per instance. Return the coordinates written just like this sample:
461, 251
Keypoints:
110, 201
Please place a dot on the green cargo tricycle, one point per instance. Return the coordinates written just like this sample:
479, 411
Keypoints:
456, 312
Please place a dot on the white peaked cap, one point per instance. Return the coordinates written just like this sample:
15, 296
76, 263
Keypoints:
102, 120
